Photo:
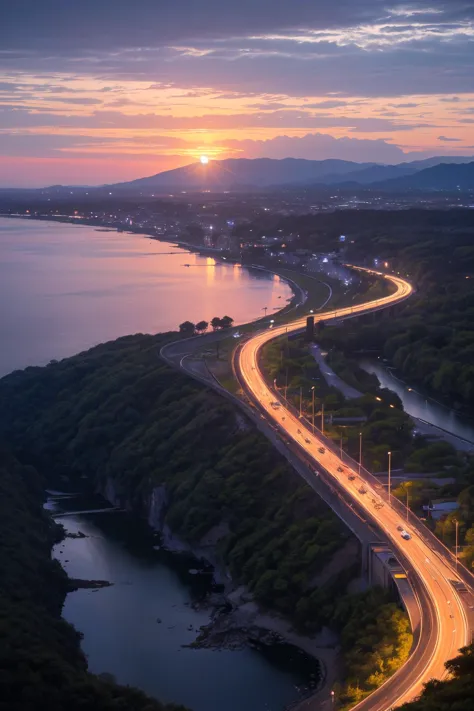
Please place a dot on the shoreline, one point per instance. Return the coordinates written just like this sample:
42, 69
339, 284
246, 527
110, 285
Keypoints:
298, 294
244, 614
234, 614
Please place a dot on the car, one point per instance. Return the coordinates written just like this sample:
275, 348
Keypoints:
351, 477
362, 490
275, 405
399, 528
340, 469
308, 441
406, 535
321, 450
299, 431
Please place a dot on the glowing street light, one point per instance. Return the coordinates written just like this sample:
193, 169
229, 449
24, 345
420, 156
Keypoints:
389, 473
204, 160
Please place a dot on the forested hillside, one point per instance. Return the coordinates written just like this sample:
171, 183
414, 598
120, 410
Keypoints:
118, 413
429, 338
41, 664
454, 694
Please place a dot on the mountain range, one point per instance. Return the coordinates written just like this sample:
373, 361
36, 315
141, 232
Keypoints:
445, 173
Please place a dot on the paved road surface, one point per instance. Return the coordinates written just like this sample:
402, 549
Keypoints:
445, 626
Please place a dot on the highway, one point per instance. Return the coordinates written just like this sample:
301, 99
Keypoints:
445, 627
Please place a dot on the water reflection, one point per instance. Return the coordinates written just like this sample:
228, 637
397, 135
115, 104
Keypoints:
66, 287
418, 405
139, 629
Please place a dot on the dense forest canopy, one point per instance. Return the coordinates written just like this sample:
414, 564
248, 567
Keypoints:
118, 413
41, 664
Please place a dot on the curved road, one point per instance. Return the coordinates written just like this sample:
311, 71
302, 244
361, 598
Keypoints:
444, 624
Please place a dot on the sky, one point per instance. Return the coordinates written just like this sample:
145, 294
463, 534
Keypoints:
102, 91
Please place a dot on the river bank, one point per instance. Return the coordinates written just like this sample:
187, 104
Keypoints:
157, 604
236, 619
421, 406
423, 414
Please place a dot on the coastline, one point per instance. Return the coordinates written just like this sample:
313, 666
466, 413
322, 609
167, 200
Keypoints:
264, 620
299, 296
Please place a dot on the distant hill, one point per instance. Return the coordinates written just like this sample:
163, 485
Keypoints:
371, 174
244, 172
446, 177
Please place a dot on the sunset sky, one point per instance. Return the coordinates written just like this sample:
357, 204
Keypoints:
95, 91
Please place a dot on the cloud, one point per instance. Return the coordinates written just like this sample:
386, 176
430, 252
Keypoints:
98, 75
328, 104
447, 138
254, 45
13, 117
319, 146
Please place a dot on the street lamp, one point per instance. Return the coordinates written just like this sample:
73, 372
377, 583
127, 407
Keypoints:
389, 473
265, 308
322, 418
313, 407
360, 451
457, 534
301, 401
332, 699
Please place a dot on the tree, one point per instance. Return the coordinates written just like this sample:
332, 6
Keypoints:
202, 326
216, 323
226, 322
187, 327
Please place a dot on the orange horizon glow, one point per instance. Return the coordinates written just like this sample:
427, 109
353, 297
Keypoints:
153, 129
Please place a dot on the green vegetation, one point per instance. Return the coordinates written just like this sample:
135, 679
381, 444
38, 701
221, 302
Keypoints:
380, 416
118, 414
376, 639
454, 694
190, 329
41, 664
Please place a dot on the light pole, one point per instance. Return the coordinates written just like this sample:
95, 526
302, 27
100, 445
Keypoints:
360, 451
286, 382
301, 401
457, 534
341, 447
332, 699
322, 418
389, 474
313, 407
265, 308
408, 491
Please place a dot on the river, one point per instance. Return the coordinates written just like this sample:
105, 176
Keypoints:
419, 405
138, 628
65, 288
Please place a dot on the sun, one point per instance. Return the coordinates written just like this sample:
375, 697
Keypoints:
204, 160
